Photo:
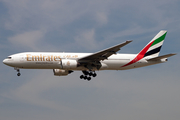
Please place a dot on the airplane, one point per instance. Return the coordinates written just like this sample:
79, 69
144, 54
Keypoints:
63, 63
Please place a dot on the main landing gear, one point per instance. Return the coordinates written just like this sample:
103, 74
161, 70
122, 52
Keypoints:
18, 70
87, 75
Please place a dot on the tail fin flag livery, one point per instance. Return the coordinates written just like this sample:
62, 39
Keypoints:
63, 63
151, 49
156, 44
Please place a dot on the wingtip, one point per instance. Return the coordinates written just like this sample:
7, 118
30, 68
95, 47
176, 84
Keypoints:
173, 53
128, 41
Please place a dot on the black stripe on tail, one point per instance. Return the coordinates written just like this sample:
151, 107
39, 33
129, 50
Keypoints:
154, 51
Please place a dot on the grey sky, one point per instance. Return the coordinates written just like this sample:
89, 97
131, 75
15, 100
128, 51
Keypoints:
89, 26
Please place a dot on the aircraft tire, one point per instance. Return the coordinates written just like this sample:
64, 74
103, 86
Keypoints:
90, 74
82, 76
94, 75
85, 77
18, 74
89, 78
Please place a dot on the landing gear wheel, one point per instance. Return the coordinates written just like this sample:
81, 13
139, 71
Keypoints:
18, 74
89, 78
85, 72
90, 74
82, 76
85, 77
94, 75
18, 71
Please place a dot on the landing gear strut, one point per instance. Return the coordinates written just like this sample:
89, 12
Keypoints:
87, 75
18, 70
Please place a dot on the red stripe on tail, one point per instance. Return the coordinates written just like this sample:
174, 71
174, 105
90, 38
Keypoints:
140, 55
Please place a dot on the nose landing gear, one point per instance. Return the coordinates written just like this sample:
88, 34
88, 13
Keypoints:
18, 70
87, 75
18, 74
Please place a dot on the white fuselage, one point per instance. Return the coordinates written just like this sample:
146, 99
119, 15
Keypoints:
51, 60
63, 64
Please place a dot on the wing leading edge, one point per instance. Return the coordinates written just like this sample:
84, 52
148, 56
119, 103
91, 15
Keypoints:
104, 54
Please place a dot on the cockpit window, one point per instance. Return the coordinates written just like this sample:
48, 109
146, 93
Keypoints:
9, 57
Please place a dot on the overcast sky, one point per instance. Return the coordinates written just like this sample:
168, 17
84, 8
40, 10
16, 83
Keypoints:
149, 93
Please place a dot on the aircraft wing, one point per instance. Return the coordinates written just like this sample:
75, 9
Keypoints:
104, 54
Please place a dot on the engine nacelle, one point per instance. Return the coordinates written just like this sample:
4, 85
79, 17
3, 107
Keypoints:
60, 72
68, 64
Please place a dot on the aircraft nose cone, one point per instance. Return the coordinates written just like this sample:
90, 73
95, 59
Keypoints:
5, 61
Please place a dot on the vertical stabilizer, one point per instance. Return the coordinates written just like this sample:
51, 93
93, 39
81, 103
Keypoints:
154, 46
151, 49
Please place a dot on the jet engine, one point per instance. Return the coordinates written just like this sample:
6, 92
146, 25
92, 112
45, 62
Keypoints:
60, 72
68, 64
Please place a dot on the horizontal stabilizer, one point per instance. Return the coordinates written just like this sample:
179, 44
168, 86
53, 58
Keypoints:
161, 57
